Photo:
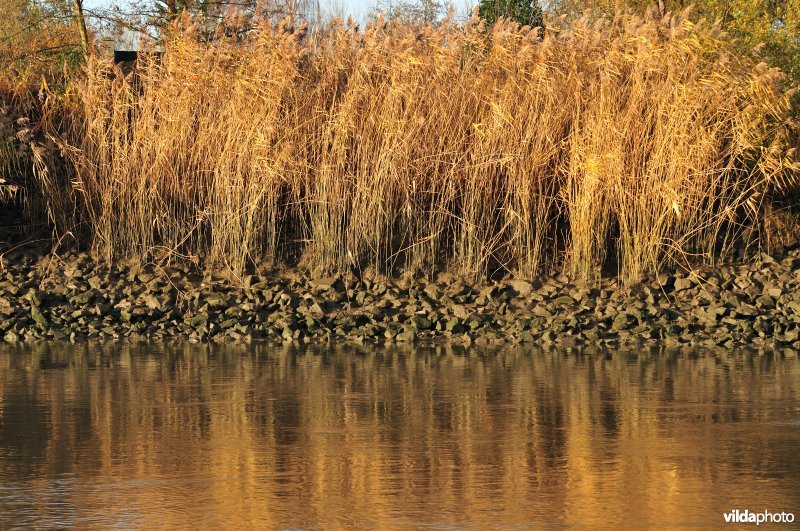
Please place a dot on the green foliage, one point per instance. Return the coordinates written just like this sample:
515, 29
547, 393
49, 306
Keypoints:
525, 12
36, 37
770, 29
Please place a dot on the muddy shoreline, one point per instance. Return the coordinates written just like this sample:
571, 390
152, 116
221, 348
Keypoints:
756, 303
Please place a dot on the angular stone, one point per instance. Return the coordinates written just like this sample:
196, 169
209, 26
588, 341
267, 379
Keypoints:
795, 307
433, 291
83, 298
408, 334
460, 311
526, 337
747, 310
421, 323
249, 280
752, 291
198, 321
682, 284
38, 317
472, 322
328, 283
564, 300
765, 301
33, 297
454, 325
523, 287
731, 299
774, 292
487, 292
621, 322
151, 302
218, 301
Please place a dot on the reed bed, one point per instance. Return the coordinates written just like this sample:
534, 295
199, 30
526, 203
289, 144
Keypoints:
9, 156
629, 144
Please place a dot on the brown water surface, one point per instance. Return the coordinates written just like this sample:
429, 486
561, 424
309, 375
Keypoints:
150, 435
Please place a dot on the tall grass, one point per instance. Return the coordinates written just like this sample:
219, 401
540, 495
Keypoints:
633, 141
31, 169
9, 158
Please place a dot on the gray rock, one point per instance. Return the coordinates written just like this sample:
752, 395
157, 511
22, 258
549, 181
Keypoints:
151, 302
38, 317
198, 322
421, 323
460, 311
564, 300
454, 325
774, 292
408, 335
622, 321
250, 280
765, 301
523, 287
83, 298
332, 283
487, 292
33, 297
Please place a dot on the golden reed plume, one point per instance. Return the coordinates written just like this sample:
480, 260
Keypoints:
634, 141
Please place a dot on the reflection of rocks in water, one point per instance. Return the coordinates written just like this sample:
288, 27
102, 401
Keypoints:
48, 363
305, 436
25, 432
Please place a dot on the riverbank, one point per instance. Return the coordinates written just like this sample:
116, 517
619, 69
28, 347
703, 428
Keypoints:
73, 297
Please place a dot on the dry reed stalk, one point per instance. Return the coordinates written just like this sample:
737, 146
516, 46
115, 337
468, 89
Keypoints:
642, 140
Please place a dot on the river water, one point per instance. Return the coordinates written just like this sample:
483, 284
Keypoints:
225, 436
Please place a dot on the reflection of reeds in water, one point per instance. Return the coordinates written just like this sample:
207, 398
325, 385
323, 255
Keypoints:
290, 436
639, 139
